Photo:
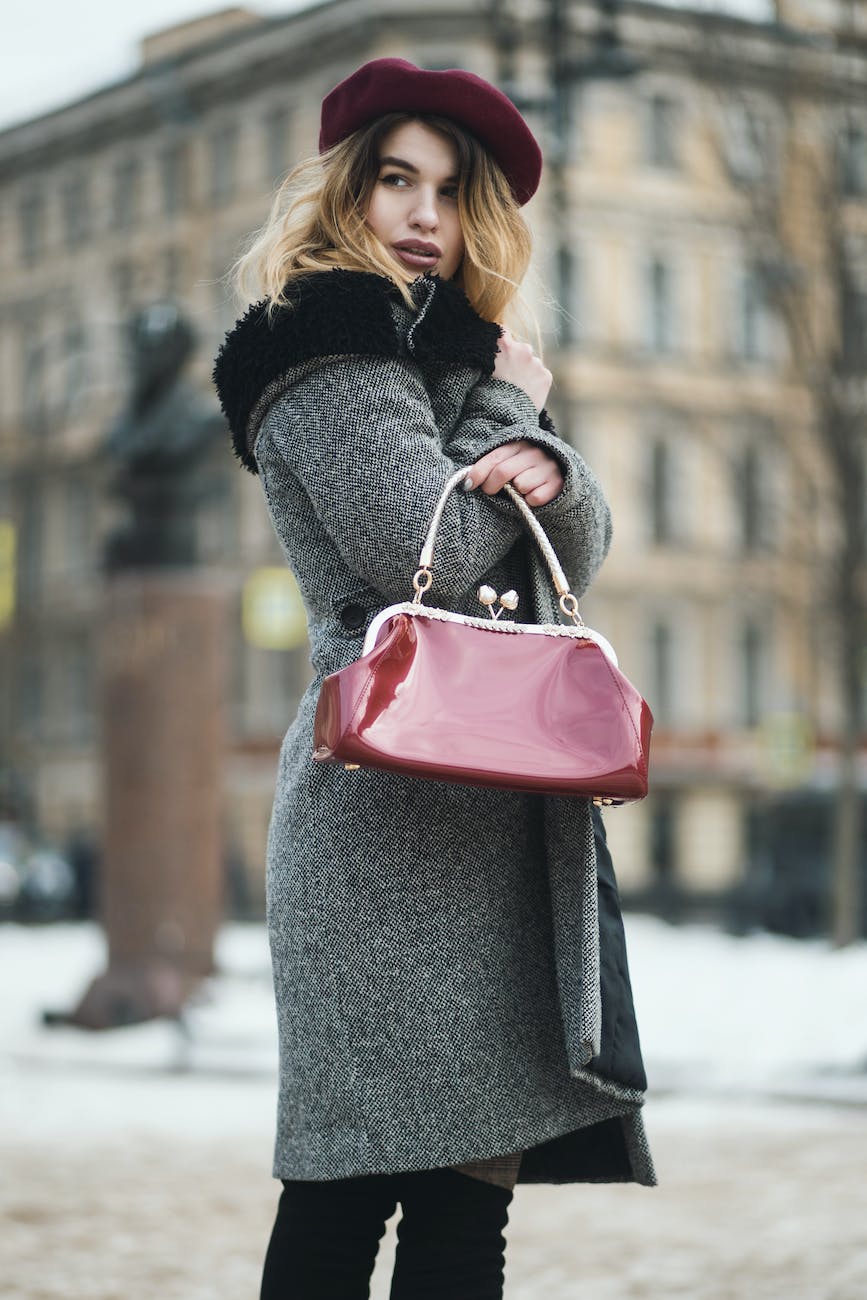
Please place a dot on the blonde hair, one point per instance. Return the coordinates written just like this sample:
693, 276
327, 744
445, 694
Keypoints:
317, 222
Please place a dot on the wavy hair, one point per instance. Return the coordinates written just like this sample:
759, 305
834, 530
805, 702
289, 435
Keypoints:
317, 222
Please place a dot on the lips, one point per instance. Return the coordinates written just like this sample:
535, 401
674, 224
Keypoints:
417, 253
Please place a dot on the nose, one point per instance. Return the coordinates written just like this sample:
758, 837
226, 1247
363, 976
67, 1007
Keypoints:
425, 213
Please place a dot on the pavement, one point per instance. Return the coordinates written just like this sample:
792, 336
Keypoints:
136, 1164
755, 1202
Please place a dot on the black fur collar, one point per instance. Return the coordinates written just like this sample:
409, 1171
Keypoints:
341, 313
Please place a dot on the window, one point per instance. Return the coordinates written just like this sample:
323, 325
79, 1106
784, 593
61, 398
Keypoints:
173, 270
854, 327
754, 320
224, 163
568, 316
750, 144
76, 365
753, 498
659, 306
276, 125
753, 651
33, 404
76, 210
31, 214
271, 687
853, 161
219, 528
661, 529
750, 499
661, 674
127, 180
30, 545
750, 307
662, 828
77, 686
662, 124
123, 280
78, 525
174, 178
30, 694
754, 820
225, 308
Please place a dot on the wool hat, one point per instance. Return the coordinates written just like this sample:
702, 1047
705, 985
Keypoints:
394, 86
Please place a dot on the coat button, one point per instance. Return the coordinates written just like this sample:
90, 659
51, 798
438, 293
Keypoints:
353, 617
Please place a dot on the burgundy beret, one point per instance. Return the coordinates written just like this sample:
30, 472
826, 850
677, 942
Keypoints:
394, 86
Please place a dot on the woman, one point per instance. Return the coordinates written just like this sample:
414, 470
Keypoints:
446, 1025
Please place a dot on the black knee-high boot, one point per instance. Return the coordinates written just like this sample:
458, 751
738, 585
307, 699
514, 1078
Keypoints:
325, 1238
450, 1242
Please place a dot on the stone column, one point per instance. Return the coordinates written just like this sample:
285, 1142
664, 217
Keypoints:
163, 689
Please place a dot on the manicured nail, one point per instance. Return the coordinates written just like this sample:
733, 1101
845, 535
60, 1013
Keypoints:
467, 484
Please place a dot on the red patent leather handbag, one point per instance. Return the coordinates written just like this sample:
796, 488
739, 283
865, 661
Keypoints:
483, 701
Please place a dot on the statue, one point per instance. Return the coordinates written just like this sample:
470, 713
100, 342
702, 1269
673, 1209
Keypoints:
163, 673
157, 445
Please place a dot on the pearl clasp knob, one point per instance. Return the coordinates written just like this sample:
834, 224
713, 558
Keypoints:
488, 597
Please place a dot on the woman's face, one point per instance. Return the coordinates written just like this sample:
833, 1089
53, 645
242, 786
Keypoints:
414, 206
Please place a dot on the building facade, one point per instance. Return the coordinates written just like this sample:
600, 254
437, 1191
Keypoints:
675, 375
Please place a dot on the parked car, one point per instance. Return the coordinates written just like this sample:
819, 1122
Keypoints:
793, 876
37, 882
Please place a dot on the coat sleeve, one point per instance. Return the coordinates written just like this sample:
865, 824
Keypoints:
578, 520
360, 437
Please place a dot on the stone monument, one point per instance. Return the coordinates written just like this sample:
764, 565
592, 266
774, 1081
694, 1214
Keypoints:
163, 690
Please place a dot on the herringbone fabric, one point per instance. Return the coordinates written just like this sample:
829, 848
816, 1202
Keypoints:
435, 947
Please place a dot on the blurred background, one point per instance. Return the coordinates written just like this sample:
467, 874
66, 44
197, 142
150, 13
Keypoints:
700, 278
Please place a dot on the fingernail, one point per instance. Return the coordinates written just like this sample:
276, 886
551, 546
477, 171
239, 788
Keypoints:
467, 484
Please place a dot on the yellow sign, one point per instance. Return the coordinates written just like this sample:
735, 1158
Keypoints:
272, 610
7, 572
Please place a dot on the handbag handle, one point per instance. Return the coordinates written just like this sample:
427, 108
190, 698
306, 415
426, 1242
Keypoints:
424, 575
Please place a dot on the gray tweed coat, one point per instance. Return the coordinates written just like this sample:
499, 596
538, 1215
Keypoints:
449, 962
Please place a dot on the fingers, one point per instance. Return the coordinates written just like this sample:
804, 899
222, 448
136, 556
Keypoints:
539, 483
534, 477
514, 467
508, 343
548, 490
517, 363
528, 468
514, 355
485, 466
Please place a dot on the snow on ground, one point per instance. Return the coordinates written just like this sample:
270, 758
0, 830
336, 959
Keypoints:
137, 1163
760, 1015
746, 1209
214, 1075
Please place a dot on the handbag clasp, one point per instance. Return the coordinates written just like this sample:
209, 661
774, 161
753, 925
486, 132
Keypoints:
488, 597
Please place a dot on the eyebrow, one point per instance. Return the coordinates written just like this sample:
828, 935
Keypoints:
391, 161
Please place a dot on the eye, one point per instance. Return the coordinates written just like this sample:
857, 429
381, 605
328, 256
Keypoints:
394, 179
450, 192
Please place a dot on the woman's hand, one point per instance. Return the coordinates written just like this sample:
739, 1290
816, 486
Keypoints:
518, 363
529, 469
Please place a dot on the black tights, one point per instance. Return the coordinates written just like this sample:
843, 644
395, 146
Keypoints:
450, 1243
